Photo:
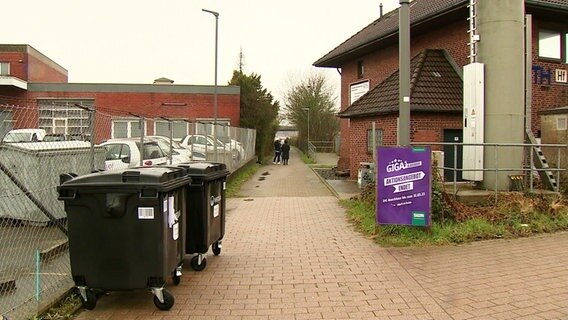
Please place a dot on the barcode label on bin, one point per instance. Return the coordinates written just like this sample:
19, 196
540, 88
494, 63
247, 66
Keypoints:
145, 213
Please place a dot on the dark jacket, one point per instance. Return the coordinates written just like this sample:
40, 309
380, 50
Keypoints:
286, 150
277, 146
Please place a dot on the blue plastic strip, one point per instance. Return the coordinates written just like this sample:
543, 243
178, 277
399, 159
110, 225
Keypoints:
37, 275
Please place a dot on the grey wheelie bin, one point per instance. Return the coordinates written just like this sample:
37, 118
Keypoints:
126, 230
205, 210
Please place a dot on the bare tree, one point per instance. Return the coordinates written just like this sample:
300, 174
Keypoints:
315, 96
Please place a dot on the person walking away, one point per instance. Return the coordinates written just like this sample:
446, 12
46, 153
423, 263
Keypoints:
285, 152
277, 149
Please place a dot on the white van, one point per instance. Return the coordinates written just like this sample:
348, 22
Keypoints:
24, 135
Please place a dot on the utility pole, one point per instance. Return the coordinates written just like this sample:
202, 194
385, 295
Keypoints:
404, 73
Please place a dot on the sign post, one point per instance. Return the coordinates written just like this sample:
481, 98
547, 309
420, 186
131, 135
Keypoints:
404, 186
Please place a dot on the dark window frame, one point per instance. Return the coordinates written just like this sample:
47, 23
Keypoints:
378, 136
360, 69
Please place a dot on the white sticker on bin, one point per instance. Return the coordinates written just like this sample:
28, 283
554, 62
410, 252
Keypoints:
176, 231
171, 213
171, 204
146, 213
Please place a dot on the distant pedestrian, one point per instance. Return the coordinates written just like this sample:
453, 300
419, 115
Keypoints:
277, 150
285, 152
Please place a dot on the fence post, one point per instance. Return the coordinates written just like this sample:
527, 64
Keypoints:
558, 170
92, 118
171, 137
531, 158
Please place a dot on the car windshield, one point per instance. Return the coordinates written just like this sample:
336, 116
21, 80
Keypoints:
220, 143
164, 141
165, 146
175, 145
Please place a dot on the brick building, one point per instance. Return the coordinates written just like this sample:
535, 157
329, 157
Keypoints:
370, 57
35, 92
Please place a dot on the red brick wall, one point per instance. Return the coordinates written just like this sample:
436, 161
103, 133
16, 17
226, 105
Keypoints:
546, 95
150, 105
425, 127
17, 62
31, 69
381, 64
41, 72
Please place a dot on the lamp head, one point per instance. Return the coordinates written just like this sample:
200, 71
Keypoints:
216, 14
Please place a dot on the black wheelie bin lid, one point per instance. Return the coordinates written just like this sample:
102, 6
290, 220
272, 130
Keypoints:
205, 171
147, 180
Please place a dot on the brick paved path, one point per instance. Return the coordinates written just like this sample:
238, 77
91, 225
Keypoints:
290, 253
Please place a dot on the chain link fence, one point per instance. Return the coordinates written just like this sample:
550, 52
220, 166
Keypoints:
48, 138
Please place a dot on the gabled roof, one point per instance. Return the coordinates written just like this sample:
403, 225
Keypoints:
422, 12
435, 86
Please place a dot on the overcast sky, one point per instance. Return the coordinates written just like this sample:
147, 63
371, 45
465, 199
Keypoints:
137, 41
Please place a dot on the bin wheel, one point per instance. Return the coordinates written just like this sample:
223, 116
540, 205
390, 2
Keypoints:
91, 301
216, 249
176, 279
168, 301
195, 263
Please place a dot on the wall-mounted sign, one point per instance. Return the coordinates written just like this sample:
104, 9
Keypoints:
356, 90
542, 75
561, 76
404, 185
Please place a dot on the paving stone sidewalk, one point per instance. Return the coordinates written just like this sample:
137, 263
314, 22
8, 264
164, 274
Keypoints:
290, 253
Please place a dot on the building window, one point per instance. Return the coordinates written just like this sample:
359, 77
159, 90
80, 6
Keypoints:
6, 122
127, 128
378, 139
561, 123
62, 116
550, 44
360, 69
4, 68
161, 128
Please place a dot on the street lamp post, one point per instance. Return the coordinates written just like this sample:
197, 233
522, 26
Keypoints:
216, 14
308, 110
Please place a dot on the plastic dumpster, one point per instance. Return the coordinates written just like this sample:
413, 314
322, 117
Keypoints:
126, 230
205, 210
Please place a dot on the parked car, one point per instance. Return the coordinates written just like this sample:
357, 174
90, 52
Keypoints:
235, 146
126, 153
206, 144
24, 135
179, 153
201, 145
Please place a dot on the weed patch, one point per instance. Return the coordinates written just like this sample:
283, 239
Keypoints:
508, 215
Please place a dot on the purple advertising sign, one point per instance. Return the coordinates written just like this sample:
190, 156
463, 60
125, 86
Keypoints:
403, 185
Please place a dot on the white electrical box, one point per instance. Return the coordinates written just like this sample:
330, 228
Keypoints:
473, 120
